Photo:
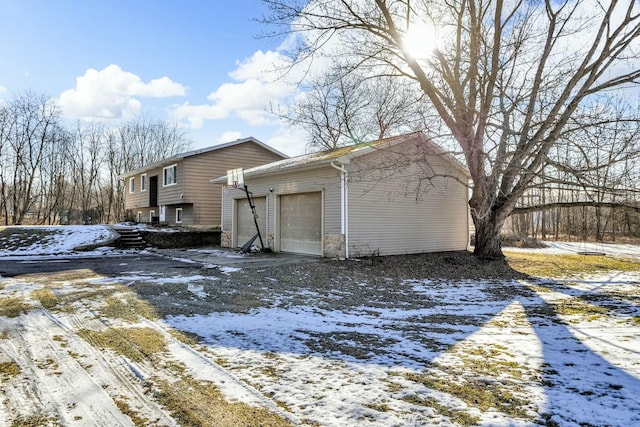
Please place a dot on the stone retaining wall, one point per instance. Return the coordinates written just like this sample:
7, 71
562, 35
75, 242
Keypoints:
182, 238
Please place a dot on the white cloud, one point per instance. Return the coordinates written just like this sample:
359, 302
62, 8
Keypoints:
290, 140
229, 136
250, 99
113, 93
258, 85
261, 65
3, 89
193, 116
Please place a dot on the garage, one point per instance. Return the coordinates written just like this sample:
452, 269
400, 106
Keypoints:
245, 225
301, 223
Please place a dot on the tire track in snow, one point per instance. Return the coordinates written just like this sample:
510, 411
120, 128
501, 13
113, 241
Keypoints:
54, 383
205, 369
116, 373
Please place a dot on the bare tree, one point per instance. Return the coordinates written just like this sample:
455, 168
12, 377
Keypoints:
133, 145
144, 141
593, 168
30, 125
55, 178
6, 125
507, 82
342, 107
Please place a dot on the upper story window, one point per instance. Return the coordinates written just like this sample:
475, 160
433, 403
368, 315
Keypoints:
143, 182
132, 184
169, 175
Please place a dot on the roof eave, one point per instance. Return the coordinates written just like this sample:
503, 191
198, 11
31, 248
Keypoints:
191, 153
249, 174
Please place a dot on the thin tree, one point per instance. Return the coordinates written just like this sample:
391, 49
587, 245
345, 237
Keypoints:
507, 80
341, 107
32, 124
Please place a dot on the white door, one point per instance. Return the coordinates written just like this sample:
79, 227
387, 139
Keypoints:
163, 212
245, 225
301, 223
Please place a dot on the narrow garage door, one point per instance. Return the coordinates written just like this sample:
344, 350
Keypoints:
245, 226
301, 223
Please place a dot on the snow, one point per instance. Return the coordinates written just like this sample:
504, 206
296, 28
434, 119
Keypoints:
569, 248
58, 240
354, 365
594, 365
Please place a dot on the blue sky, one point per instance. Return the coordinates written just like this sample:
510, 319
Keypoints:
200, 63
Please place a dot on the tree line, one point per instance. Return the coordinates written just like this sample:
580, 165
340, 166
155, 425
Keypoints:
55, 173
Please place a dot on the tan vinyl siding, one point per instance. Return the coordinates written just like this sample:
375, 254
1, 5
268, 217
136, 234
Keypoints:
396, 213
200, 199
325, 180
199, 170
170, 194
138, 199
404, 198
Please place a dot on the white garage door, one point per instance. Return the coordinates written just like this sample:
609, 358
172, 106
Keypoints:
301, 223
245, 226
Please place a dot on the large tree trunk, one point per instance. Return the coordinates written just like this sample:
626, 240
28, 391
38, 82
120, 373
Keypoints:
487, 240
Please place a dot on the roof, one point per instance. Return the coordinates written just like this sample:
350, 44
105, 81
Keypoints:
343, 155
176, 157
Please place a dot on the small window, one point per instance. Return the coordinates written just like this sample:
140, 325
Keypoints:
143, 182
178, 215
169, 176
151, 215
132, 185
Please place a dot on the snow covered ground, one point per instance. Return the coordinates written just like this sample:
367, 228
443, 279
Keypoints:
561, 352
51, 240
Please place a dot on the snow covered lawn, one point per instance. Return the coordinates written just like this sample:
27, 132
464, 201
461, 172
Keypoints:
509, 353
323, 344
50, 240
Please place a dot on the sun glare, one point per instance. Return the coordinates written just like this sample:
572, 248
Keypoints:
420, 41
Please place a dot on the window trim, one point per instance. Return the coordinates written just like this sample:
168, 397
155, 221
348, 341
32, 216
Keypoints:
132, 185
143, 182
175, 175
139, 217
179, 215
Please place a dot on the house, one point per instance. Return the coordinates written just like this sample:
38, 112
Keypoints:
398, 195
178, 191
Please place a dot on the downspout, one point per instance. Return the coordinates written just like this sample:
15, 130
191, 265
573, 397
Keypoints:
344, 208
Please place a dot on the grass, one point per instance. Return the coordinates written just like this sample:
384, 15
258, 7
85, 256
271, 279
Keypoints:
380, 407
484, 378
457, 416
124, 407
137, 344
127, 307
191, 402
46, 296
13, 307
543, 265
574, 306
9, 370
35, 420
184, 337
199, 403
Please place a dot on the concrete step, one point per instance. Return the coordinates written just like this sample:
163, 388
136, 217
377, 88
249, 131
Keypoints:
130, 238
